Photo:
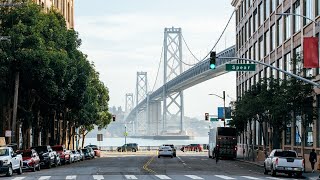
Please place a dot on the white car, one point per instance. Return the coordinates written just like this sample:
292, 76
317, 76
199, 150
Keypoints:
10, 161
165, 151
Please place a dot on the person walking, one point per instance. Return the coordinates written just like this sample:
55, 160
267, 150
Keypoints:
217, 153
313, 158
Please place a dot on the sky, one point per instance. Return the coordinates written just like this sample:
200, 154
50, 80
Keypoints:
123, 37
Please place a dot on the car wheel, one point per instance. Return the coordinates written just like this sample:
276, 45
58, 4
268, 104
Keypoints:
134, 150
158, 156
273, 172
33, 168
49, 165
171, 156
265, 170
10, 171
38, 168
299, 174
19, 171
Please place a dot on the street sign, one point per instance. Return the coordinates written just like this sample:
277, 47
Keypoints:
125, 134
7, 133
213, 119
240, 67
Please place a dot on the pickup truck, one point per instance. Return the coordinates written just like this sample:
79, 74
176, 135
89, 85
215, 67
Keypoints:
284, 161
10, 161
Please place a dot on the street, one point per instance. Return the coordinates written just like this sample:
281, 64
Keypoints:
146, 165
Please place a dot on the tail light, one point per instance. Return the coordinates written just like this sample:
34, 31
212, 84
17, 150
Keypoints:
277, 161
235, 148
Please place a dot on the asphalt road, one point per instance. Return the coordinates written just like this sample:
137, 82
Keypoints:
119, 166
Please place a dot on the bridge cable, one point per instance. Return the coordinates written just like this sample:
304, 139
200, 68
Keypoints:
154, 85
214, 44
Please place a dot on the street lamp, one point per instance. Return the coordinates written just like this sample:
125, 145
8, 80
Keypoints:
224, 105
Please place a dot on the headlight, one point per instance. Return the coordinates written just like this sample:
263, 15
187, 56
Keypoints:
5, 162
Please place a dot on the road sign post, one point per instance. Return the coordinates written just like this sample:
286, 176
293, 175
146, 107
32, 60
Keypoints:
240, 67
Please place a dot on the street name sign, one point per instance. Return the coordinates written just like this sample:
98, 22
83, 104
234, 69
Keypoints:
240, 67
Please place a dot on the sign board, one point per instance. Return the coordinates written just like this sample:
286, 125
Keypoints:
220, 112
240, 67
2, 141
99, 137
8, 133
125, 134
212, 119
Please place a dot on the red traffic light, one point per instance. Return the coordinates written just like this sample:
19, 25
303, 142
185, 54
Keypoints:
206, 116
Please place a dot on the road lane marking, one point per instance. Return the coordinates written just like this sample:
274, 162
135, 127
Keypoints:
18, 178
223, 177
274, 178
163, 177
180, 159
130, 176
249, 177
71, 177
98, 177
145, 166
44, 177
194, 177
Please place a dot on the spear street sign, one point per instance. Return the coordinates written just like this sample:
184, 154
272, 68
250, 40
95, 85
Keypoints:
125, 134
240, 67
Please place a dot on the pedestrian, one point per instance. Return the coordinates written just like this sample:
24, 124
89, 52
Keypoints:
313, 158
217, 153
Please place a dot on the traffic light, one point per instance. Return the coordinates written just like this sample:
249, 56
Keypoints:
206, 116
212, 60
114, 118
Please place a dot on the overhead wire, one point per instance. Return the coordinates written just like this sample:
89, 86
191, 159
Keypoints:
154, 85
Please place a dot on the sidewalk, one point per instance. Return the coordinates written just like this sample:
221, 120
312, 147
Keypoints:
307, 175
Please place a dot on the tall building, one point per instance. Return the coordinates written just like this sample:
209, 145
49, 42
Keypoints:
65, 7
263, 35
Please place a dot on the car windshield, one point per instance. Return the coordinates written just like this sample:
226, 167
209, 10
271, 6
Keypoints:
84, 150
4, 152
41, 149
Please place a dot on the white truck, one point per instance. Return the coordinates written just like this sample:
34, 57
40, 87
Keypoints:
10, 161
284, 161
212, 142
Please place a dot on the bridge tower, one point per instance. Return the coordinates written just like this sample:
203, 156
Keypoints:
129, 102
140, 123
173, 107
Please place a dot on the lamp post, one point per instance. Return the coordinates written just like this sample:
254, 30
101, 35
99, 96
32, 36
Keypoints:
224, 106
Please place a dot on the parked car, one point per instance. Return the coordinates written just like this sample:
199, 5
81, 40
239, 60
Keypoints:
87, 153
64, 157
96, 150
165, 151
31, 160
76, 155
72, 158
10, 161
48, 157
91, 151
81, 154
192, 147
173, 148
128, 147
284, 161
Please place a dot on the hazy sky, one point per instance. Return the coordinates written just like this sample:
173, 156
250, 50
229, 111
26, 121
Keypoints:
125, 36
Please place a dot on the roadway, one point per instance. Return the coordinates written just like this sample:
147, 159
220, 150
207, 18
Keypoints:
146, 165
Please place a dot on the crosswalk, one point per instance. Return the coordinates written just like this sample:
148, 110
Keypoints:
144, 177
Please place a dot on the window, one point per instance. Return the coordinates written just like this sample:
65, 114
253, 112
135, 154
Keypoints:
287, 59
280, 66
288, 135
250, 52
317, 8
279, 32
279, 2
261, 48
256, 52
266, 43
255, 21
273, 5
287, 26
298, 61
297, 10
272, 38
246, 32
274, 72
267, 9
261, 19
307, 11
250, 27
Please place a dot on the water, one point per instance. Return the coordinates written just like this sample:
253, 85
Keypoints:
144, 142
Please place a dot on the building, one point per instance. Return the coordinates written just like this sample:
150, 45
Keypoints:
274, 39
66, 7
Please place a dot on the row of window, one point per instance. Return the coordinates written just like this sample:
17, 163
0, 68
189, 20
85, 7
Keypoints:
283, 24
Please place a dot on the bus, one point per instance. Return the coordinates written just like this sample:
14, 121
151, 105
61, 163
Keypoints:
224, 138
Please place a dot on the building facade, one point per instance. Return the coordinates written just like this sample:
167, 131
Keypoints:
262, 35
65, 7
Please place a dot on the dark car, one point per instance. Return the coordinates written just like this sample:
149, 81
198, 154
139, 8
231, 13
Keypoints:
31, 160
128, 147
61, 151
173, 148
87, 154
47, 156
96, 150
